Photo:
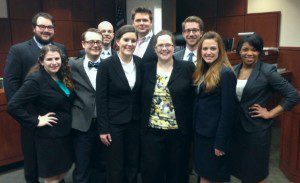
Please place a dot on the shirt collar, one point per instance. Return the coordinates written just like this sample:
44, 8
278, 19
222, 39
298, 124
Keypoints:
39, 44
86, 61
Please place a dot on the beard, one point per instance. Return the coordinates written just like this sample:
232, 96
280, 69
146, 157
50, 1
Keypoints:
43, 41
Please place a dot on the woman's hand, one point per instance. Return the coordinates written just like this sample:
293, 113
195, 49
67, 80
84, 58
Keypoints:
258, 111
47, 120
106, 139
219, 153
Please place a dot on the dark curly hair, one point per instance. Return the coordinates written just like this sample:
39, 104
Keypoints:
64, 73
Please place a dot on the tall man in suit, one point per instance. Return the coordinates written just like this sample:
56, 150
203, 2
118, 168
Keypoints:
107, 31
20, 59
192, 31
89, 163
142, 21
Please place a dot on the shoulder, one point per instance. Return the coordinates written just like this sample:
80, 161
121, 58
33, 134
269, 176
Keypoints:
73, 62
20, 46
35, 77
227, 72
267, 68
179, 52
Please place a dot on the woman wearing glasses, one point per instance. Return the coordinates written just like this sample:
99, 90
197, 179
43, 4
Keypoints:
118, 110
167, 105
48, 90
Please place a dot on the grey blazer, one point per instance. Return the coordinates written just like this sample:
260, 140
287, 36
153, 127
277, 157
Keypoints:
179, 54
83, 108
262, 81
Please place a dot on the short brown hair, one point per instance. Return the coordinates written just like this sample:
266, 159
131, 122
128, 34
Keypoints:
141, 9
90, 30
193, 19
41, 14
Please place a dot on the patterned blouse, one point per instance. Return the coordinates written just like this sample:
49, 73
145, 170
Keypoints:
162, 113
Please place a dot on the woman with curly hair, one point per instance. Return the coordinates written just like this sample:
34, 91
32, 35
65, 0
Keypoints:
48, 90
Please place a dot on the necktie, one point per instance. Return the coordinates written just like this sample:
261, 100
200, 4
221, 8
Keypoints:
190, 57
93, 64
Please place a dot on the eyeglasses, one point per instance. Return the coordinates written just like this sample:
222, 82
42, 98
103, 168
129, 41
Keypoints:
162, 46
92, 42
188, 31
43, 27
106, 31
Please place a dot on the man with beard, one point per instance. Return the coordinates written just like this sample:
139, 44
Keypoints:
192, 31
142, 21
107, 31
20, 59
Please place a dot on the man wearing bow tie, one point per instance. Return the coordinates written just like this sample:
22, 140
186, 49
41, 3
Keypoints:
89, 158
107, 31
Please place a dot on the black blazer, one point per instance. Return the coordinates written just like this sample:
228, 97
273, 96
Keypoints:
40, 90
181, 90
214, 113
21, 57
263, 80
116, 103
149, 55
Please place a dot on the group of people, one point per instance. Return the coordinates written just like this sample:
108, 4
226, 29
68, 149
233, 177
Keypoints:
139, 108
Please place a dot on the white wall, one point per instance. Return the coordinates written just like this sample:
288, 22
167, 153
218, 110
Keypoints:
3, 9
151, 4
290, 14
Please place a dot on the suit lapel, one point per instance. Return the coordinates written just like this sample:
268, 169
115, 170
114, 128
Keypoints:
82, 72
116, 64
254, 74
34, 49
137, 76
175, 72
52, 83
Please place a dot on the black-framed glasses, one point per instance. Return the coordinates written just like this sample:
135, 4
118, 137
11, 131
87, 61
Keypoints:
188, 31
93, 42
162, 46
43, 27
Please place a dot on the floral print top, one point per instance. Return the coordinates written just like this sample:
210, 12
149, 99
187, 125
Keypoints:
162, 113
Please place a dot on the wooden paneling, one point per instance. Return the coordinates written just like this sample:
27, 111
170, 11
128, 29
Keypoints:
202, 8
2, 63
210, 24
64, 33
169, 15
289, 59
5, 38
60, 10
232, 7
21, 30
78, 29
83, 10
267, 25
20, 9
10, 150
229, 27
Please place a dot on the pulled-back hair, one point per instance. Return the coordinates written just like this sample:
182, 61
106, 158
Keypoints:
63, 74
210, 73
254, 40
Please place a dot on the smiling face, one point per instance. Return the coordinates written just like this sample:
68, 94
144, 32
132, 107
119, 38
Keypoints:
164, 48
210, 51
107, 32
92, 45
192, 34
43, 30
52, 62
249, 54
142, 23
127, 44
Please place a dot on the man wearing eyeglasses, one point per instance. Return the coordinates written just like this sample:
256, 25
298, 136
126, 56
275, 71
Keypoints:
89, 158
192, 31
20, 59
107, 31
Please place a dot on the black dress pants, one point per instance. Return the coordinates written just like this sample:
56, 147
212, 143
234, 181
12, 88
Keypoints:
89, 156
123, 153
164, 156
30, 157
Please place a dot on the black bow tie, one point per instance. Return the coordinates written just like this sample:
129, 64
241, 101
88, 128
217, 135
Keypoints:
93, 64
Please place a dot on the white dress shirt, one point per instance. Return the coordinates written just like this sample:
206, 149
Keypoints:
142, 45
186, 55
130, 71
90, 71
105, 53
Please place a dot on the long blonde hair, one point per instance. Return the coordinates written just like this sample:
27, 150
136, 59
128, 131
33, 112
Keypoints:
210, 73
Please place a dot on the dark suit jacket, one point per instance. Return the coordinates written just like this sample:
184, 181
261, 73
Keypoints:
149, 55
81, 53
215, 111
40, 90
181, 90
263, 80
116, 102
85, 101
179, 54
20, 59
